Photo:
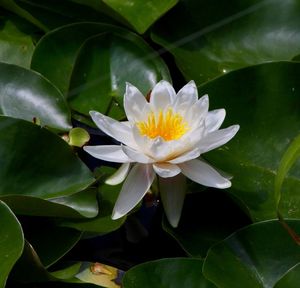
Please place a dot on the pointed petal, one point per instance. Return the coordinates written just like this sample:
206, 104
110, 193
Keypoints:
195, 153
217, 138
111, 153
197, 112
135, 104
119, 176
204, 174
134, 188
187, 95
162, 95
172, 191
166, 170
115, 129
136, 156
214, 119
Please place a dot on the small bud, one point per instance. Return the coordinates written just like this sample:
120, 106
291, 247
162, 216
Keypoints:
78, 137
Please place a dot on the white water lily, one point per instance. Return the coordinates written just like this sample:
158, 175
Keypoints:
164, 136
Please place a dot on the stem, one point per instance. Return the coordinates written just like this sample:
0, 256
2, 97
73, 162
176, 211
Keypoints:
290, 230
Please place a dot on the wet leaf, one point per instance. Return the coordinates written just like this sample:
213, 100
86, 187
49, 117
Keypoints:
25, 94
36, 162
257, 256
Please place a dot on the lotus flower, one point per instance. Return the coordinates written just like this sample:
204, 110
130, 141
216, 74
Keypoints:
164, 136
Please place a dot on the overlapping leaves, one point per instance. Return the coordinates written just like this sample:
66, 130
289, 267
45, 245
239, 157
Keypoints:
263, 100
84, 67
90, 63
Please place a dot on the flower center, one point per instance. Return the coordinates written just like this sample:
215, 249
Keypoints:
168, 125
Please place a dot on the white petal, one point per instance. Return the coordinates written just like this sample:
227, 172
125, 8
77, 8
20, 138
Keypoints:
113, 128
162, 95
195, 153
172, 191
135, 104
159, 149
217, 138
214, 119
119, 176
136, 156
204, 174
148, 146
166, 170
164, 151
111, 153
134, 188
197, 112
187, 95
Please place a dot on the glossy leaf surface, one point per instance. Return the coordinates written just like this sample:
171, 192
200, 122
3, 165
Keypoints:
12, 241
148, 11
36, 162
291, 279
263, 100
257, 256
102, 223
27, 95
103, 65
62, 45
81, 204
48, 15
215, 37
165, 273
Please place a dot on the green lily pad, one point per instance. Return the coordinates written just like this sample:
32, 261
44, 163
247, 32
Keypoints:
12, 6
12, 241
137, 14
256, 256
16, 45
103, 65
165, 273
264, 100
36, 162
56, 54
25, 94
291, 279
102, 223
48, 15
78, 205
140, 14
215, 36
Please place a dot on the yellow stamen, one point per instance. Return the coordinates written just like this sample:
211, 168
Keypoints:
168, 125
